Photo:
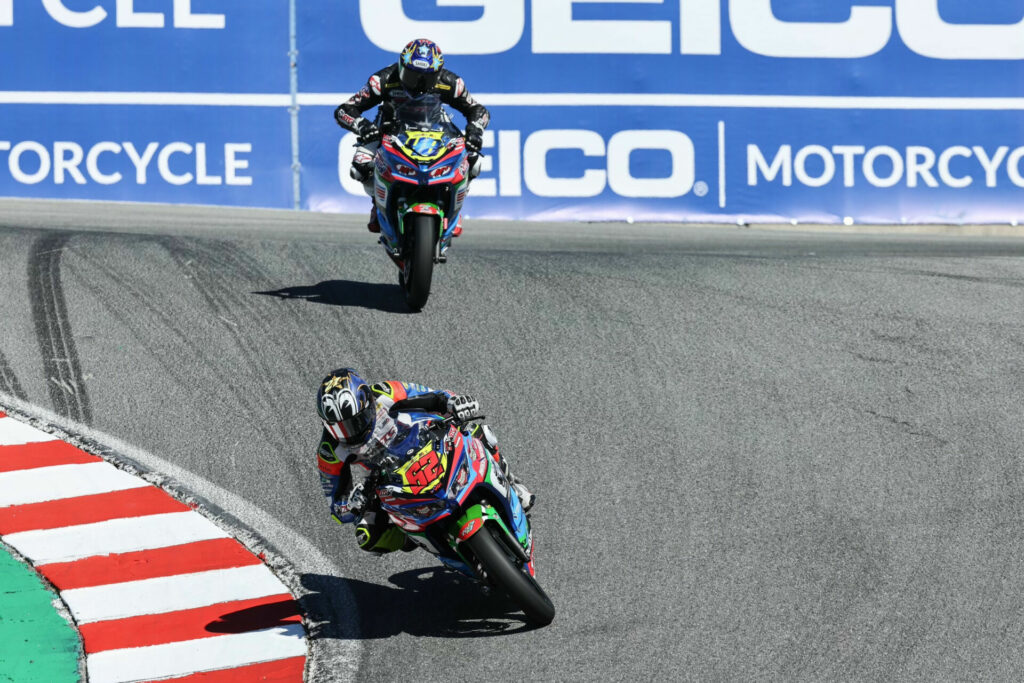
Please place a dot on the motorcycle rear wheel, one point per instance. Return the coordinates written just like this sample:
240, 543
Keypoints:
504, 573
419, 260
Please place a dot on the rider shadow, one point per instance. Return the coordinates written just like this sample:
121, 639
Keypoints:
375, 295
429, 601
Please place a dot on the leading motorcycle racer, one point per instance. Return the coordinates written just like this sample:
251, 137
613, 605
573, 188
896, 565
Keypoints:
359, 422
418, 74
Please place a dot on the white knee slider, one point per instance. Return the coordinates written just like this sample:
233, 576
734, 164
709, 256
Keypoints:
489, 438
475, 167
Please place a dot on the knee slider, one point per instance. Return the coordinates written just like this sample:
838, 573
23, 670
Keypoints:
489, 438
475, 166
386, 541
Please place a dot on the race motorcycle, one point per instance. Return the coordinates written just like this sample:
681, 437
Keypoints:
421, 177
445, 490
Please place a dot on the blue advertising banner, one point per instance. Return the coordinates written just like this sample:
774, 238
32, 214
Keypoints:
207, 46
683, 110
918, 48
210, 155
751, 165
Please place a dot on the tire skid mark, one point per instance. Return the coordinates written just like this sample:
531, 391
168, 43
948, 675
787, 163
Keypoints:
210, 271
216, 271
53, 329
149, 302
9, 381
382, 354
362, 338
215, 268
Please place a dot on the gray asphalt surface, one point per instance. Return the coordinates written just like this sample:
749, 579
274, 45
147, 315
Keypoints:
758, 455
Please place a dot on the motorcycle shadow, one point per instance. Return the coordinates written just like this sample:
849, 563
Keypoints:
388, 298
266, 615
430, 601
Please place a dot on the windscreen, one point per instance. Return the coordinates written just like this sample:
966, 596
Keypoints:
421, 113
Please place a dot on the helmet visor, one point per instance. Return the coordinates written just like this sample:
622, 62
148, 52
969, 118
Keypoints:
353, 430
417, 82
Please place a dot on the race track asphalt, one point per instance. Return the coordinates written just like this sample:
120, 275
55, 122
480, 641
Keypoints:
758, 455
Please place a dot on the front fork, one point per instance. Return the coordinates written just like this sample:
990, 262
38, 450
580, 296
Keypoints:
476, 518
427, 209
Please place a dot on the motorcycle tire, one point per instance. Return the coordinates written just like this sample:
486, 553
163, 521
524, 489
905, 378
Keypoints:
419, 260
504, 573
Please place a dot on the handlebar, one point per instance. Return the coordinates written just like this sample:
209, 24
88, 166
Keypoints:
453, 419
381, 460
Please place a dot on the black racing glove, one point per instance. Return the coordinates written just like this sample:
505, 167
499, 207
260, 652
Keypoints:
474, 138
367, 131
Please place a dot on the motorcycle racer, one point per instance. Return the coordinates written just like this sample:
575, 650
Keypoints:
359, 422
418, 76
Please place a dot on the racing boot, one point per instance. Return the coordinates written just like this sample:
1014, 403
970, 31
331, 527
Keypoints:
380, 539
458, 228
362, 169
373, 226
526, 498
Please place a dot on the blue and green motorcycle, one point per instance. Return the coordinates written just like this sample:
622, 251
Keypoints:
442, 486
421, 177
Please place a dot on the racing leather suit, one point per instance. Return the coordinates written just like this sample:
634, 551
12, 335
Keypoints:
374, 531
385, 89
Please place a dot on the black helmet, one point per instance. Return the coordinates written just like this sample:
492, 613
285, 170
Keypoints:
347, 406
419, 66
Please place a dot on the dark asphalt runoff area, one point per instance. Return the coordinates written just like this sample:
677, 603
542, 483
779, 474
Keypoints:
759, 455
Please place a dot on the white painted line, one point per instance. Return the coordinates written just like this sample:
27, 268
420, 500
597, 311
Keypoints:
190, 656
530, 100
147, 98
15, 433
126, 535
721, 164
171, 593
41, 484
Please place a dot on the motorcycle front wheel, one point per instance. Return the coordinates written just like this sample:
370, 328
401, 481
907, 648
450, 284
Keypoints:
419, 260
504, 573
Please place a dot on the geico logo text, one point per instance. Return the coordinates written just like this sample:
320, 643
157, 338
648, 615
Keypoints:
32, 162
883, 166
85, 14
866, 30
528, 162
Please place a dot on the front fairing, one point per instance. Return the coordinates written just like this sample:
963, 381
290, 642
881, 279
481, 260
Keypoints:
469, 475
415, 489
419, 166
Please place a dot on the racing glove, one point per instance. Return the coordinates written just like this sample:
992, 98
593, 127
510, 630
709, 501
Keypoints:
367, 131
464, 407
347, 511
342, 513
474, 138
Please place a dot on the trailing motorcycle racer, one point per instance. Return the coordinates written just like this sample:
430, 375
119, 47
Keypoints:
419, 75
359, 422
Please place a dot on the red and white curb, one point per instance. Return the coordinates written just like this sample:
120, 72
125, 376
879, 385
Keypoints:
157, 591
